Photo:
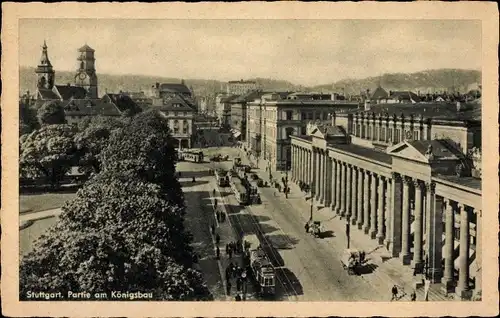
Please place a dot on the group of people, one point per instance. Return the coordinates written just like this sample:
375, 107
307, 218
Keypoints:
237, 273
394, 291
304, 187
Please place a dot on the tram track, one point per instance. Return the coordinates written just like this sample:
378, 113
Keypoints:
287, 285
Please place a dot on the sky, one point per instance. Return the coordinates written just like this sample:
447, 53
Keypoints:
306, 52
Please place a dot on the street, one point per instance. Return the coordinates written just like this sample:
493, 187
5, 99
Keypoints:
308, 269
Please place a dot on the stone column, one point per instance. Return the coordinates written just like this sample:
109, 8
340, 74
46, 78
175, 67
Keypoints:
366, 202
449, 241
342, 189
463, 270
323, 177
373, 206
301, 165
328, 180
479, 245
380, 211
312, 173
338, 186
395, 220
317, 175
292, 167
405, 230
320, 177
359, 198
348, 193
419, 214
354, 196
434, 233
333, 190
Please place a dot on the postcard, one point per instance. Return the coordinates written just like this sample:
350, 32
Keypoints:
249, 159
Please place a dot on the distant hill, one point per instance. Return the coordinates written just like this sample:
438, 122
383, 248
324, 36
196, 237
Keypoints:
115, 83
425, 81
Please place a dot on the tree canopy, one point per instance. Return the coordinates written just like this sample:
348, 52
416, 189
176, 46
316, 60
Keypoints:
51, 113
124, 230
48, 152
27, 118
92, 138
145, 150
118, 234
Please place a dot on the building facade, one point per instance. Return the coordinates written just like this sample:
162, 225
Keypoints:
240, 87
180, 116
408, 181
273, 119
223, 109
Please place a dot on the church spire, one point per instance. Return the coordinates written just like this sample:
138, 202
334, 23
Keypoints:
44, 60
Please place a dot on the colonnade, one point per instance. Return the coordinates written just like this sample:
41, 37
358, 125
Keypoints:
386, 206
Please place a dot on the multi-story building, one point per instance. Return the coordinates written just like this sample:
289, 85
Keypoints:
180, 116
240, 87
239, 113
407, 175
273, 119
223, 109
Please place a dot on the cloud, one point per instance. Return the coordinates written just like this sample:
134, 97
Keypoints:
305, 52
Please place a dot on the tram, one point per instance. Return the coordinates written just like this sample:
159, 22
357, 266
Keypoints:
193, 156
222, 178
239, 190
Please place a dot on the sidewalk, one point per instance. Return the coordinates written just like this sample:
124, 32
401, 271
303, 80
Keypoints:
387, 272
227, 234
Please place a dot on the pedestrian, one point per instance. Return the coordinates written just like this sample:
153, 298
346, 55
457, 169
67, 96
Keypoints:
217, 213
223, 215
217, 251
230, 253
227, 248
215, 202
217, 239
413, 295
238, 283
228, 287
237, 297
228, 273
213, 228
394, 292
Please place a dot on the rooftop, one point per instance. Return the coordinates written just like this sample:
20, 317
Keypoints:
89, 107
468, 182
447, 111
364, 152
67, 92
86, 48
175, 88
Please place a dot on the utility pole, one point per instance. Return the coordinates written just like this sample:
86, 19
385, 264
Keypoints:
312, 199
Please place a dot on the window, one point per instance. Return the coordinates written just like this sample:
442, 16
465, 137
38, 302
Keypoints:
303, 116
317, 115
416, 135
289, 131
325, 116
289, 115
303, 130
310, 115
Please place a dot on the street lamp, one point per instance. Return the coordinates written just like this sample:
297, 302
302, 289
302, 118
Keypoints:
311, 198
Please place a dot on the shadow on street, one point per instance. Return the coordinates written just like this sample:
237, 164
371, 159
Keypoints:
189, 183
291, 283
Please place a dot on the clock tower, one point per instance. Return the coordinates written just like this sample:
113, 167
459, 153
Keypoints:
44, 71
86, 75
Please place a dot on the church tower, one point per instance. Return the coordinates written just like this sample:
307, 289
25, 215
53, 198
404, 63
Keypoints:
44, 71
86, 75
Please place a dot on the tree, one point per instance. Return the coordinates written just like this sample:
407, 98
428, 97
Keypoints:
117, 234
128, 107
51, 113
145, 149
48, 152
27, 118
92, 139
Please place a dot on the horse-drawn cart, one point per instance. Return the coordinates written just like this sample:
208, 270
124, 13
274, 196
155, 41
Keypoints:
314, 227
352, 260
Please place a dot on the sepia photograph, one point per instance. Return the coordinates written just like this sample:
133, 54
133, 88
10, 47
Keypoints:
252, 160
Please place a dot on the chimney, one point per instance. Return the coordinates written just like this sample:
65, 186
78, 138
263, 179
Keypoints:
367, 105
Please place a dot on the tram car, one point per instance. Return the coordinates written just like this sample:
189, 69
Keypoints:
239, 190
255, 258
222, 178
193, 156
